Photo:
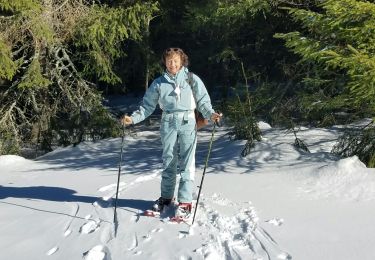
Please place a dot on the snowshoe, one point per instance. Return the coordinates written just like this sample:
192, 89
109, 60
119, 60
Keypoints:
183, 212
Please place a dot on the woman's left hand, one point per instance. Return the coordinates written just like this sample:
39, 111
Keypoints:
216, 117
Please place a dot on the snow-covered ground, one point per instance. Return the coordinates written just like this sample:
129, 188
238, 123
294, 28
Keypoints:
277, 203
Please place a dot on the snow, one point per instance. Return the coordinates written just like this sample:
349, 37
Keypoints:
6, 160
277, 203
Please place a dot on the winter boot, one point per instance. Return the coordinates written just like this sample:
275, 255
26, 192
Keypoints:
160, 204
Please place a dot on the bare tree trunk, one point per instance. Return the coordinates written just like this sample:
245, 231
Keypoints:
147, 59
147, 53
48, 12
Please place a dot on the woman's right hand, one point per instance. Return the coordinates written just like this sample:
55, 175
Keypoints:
216, 117
126, 120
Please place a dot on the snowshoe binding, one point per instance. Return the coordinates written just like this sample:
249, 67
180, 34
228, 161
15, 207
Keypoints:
183, 212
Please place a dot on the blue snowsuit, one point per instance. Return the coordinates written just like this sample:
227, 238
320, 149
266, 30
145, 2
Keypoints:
178, 127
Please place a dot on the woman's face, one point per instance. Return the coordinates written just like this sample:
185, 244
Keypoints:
173, 63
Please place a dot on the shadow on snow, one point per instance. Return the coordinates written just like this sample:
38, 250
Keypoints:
143, 154
67, 195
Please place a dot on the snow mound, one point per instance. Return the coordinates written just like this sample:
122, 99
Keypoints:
263, 125
347, 179
10, 159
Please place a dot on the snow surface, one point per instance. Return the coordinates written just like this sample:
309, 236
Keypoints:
277, 203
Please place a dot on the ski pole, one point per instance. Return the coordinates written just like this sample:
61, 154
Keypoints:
204, 172
119, 174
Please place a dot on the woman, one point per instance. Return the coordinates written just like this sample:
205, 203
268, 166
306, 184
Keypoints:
178, 100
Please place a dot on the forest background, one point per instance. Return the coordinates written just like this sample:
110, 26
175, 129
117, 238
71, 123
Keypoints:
287, 62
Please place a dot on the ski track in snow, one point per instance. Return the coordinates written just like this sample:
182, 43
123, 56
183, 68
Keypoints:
103, 220
111, 188
134, 244
67, 228
74, 212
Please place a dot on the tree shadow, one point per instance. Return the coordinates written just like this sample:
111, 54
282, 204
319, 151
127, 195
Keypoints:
105, 154
225, 154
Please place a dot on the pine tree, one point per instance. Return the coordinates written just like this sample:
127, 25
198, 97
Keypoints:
48, 50
337, 46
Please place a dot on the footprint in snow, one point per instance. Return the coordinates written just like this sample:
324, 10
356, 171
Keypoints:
98, 252
285, 256
147, 237
185, 258
275, 221
156, 230
89, 227
52, 250
239, 236
67, 233
182, 235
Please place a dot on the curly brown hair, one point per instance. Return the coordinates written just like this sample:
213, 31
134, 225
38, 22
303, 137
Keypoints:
172, 51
